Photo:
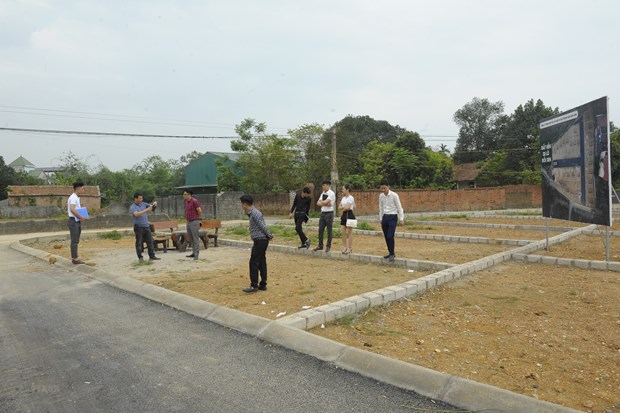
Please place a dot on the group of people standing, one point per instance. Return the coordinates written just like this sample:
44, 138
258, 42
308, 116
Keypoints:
391, 215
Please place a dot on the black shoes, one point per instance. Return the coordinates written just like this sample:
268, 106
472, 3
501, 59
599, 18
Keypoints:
390, 258
302, 246
328, 249
190, 256
317, 249
308, 243
386, 256
251, 289
154, 258
78, 261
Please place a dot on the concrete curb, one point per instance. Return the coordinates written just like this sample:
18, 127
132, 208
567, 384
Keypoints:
457, 391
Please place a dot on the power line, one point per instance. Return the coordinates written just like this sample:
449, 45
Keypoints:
177, 121
70, 132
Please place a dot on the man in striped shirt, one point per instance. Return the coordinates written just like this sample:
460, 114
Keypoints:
261, 236
390, 214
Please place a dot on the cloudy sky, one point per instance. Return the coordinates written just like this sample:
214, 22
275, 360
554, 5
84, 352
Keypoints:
197, 68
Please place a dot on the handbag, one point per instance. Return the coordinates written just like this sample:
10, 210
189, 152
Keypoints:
352, 223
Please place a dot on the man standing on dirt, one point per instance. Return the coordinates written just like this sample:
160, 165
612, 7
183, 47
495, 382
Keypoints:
390, 210
326, 202
75, 221
261, 236
301, 209
141, 227
193, 211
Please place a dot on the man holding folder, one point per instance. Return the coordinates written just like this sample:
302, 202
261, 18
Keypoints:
77, 214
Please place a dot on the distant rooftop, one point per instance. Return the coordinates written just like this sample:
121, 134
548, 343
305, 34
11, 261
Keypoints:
21, 161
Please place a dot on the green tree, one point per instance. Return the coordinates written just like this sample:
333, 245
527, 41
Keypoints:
155, 177
494, 172
403, 167
271, 163
74, 169
114, 186
7, 177
314, 157
375, 160
521, 135
353, 134
228, 177
442, 167
480, 123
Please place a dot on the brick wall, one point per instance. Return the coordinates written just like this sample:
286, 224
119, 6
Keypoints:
52, 195
422, 200
367, 202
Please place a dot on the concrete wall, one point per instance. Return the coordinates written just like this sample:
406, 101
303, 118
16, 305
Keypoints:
31, 212
224, 206
49, 225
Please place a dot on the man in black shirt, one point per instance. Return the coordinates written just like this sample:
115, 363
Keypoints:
301, 209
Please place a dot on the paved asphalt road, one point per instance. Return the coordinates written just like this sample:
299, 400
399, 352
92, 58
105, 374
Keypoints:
72, 344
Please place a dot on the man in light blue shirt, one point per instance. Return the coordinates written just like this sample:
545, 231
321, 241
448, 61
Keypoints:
141, 227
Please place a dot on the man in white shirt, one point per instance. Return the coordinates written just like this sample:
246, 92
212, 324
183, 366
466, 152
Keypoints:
326, 201
391, 214
75, 221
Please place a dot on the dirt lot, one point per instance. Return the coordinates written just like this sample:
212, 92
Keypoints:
552, 333
294, 282
489, 219
548, 332
588, 247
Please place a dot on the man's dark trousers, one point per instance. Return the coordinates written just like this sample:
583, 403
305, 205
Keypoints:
300, 217
75, 230
258, 262
326, 220
388, 225
143, 234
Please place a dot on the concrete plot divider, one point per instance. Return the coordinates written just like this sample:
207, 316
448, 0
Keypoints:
302, 341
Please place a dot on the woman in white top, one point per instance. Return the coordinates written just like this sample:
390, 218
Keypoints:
347, 205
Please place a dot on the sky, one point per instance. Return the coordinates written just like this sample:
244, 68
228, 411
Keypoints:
199, 67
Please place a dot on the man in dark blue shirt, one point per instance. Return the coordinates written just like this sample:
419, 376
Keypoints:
261, 235
141, 226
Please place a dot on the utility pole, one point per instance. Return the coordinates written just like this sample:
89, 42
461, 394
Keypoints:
334, 167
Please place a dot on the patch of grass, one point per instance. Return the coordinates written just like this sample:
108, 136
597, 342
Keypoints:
458, 216
238, 231
419, 227
466, 304
306, 292
365, 226
572, 292
506, 298
114, 235
532, 213
285, 232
